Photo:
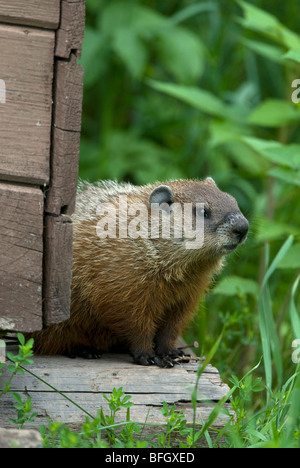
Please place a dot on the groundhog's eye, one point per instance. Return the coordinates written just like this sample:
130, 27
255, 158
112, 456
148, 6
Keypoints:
202, 212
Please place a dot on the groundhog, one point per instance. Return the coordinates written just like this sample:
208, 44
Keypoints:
138, 272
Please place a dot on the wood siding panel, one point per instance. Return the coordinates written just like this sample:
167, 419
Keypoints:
57, 268
70, 34
21, 257
26, 71
42, 13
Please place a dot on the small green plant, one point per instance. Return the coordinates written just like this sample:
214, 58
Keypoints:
17, 361
116, 402
276, 425
92, 432
176, 424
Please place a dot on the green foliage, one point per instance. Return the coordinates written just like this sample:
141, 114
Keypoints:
190, 89
275, 425
19, 360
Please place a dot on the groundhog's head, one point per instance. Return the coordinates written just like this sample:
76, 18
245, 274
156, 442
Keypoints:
203, 218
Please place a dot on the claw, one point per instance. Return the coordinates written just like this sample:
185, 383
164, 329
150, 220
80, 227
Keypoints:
163, 361
84, 352
144, 359
166, 360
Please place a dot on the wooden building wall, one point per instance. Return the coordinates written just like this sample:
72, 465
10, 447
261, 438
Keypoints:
40, 119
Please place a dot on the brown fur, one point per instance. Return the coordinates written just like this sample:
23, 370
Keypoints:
139, 293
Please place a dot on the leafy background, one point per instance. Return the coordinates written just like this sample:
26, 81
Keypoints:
188, 89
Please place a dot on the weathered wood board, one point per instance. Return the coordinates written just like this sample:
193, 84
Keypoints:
26, 69
42, 13
70, 33
21, 256
68, 95
40, 122
68, 85
64, 168
57, 268
85, 382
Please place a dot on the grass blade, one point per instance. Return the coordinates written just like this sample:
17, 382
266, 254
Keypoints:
269, 337
295, 319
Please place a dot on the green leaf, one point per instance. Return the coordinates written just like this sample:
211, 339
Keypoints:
268, 25
233, 285
172, 45
127, 27
139, 19
285, 155
268, 51
268, 230
258, 19
132, 50
276, 153
12, 357
21, 338
286, 175
193, 10
274, 113
269, 337
278, 258
293, 55
294, 313
196, 97
17, 397
260, 145
291, 258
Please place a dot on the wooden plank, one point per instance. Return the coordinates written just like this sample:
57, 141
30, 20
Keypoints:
85, 382
25, 117
61, 193
21, 252
42, 13
57, 268
70, 34
68, 95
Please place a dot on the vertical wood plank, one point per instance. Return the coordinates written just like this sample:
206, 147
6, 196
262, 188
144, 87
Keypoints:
70, 33
57, 268
68, 94
61, 193
21, 257
65, 136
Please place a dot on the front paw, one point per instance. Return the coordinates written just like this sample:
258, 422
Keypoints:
150, 359
86, 352
177, 353
173, 355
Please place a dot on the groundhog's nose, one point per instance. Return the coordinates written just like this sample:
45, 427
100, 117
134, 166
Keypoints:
239, 224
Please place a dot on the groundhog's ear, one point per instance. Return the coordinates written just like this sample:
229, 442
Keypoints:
210, 180
162, 194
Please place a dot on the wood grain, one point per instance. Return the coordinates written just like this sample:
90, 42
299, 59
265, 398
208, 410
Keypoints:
70, 34
61, 193
25, 117
85, 382
68, 94
42, 13
65, 136
57, 268
21, 256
